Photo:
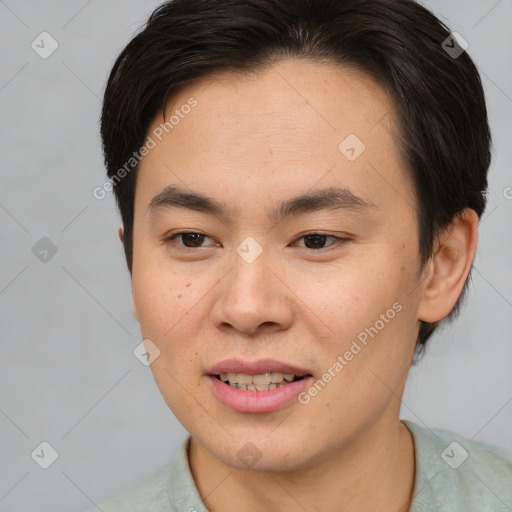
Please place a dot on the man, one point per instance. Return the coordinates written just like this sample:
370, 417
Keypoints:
300, 184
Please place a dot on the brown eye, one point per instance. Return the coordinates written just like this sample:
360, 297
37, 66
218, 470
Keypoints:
316, 241
190, 239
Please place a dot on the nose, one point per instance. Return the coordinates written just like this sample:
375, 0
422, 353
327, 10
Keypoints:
254, 298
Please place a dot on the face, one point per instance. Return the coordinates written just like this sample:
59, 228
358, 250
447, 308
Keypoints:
329, 287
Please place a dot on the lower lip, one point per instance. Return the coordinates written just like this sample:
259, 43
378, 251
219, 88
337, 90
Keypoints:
258, 401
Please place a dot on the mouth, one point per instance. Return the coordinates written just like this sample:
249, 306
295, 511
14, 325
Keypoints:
257, 393
261, 386
260, 382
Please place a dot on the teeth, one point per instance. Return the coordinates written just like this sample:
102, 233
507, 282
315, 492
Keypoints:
276, 377
261, 382
245, 379
263, 379
252, 387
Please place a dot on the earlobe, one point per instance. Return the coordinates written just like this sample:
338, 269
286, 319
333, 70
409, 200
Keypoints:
449, 267
120, 233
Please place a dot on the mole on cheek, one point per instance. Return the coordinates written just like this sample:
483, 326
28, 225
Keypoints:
179, 296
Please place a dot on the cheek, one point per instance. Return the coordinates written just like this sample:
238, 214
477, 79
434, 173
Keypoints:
350, 295
161, 296
171, 323
368, 314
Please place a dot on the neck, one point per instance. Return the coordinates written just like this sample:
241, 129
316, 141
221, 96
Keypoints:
374, 472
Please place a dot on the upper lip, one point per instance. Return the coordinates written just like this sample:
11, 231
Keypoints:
255, 367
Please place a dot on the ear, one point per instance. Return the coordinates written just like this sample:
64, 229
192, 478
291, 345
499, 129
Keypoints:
448, 268
120, 233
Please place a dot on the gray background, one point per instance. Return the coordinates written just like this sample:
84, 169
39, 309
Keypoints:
68, 375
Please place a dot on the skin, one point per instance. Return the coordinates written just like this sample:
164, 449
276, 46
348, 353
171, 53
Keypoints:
251, 142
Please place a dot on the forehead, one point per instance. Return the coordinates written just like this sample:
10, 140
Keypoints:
301, 95
288, 126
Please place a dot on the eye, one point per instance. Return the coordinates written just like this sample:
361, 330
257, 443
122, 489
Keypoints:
188, 237
314, 241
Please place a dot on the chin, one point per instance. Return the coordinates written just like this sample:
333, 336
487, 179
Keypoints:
259, 452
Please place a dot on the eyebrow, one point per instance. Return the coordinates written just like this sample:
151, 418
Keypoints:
331, 198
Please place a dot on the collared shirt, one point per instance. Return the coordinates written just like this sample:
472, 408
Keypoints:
453, 474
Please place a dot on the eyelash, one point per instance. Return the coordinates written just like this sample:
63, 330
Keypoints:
338, 240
